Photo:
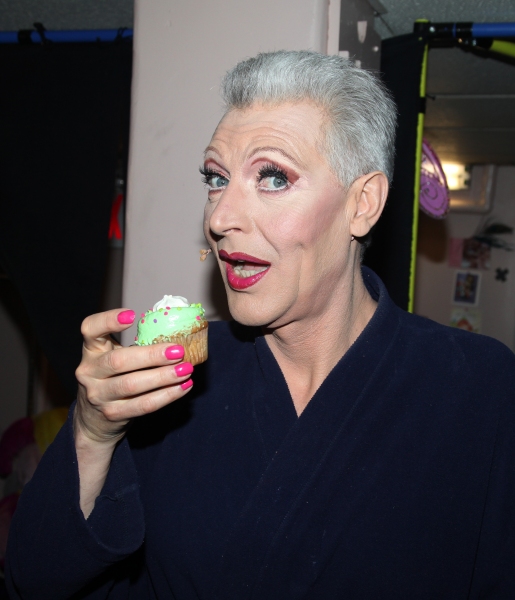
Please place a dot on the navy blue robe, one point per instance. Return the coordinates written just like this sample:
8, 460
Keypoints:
396, 482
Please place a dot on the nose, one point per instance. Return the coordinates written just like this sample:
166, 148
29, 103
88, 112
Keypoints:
228, 214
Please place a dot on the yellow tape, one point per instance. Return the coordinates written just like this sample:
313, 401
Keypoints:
416, 191
501, 47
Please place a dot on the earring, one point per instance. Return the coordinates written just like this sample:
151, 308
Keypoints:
352, 238
204, 253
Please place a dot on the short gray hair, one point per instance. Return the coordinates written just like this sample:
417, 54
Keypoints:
361, 133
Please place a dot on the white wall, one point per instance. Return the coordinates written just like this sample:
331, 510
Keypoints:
435, 279
181, 50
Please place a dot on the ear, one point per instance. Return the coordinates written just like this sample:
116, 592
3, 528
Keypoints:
367, 196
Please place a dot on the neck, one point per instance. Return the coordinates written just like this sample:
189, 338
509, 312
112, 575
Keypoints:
308, 349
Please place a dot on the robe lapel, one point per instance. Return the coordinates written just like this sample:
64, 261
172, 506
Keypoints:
287, 532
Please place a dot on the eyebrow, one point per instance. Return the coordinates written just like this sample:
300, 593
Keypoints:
212, 148
274, 149
261, 149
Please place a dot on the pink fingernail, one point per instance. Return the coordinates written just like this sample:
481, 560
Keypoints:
174, 352
184, 369
126, 317
187, 384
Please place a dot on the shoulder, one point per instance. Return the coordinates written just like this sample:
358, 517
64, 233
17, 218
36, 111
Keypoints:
429, 349
470, 345
460, 357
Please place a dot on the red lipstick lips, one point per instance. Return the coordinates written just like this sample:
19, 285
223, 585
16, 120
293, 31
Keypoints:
238, 264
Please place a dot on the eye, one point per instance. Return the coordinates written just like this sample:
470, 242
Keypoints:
272, 178
213, 179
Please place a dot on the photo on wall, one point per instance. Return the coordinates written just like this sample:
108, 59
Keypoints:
469, 253
466, 288
466, 318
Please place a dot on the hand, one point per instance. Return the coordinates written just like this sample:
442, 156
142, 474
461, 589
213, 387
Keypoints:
117, 384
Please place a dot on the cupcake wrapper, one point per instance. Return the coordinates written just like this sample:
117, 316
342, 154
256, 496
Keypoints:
195, 344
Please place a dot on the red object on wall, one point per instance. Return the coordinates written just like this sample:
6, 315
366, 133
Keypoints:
114, 225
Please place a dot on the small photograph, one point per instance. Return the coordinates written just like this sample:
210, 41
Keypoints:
476, 254
469, 253
465, 318
466, 288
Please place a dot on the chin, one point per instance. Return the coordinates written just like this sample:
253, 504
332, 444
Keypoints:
248, 311
247, 317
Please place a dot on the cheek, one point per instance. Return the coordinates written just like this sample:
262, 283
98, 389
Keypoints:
329, 219
288, 229
317, 224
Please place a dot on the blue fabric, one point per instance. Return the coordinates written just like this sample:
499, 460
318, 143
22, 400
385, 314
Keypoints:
396, 482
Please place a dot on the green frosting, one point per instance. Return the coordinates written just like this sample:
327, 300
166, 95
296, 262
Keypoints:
168, 321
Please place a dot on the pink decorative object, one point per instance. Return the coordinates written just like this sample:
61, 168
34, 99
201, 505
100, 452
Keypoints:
434, 193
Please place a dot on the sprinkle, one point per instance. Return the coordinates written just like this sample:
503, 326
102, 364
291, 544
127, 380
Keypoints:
198, 318
142, 314
142, 320
167, 308
136, 339
179, 308
166, 312
155, 320
160, 310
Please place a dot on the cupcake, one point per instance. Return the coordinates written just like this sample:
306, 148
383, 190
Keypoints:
174, 320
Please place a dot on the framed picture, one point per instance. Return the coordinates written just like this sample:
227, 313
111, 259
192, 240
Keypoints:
466, 318
466, 288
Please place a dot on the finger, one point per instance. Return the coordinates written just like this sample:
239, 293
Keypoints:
138, 383
122, 410
134, 358
97, 328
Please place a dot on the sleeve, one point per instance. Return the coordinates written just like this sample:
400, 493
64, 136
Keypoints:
53, 551
494, 572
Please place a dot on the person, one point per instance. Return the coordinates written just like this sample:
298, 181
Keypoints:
332, 446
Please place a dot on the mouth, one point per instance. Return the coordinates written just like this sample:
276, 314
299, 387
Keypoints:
243, 270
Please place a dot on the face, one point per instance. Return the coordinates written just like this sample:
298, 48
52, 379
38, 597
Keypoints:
276, 217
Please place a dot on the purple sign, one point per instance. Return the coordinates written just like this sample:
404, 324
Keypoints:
434, 194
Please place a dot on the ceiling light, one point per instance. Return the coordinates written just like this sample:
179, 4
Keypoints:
457, 175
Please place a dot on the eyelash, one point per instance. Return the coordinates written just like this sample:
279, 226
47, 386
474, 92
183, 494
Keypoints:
271, 170
207, 173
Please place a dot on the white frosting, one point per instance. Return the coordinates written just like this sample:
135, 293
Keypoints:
172, 302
